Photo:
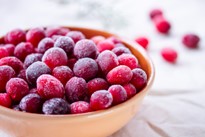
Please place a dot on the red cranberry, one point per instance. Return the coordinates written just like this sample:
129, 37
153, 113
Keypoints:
71, 62
105, 45
101, 99
114, 40
80, 107
3, 52
155, 12
191, 41
118, 93
169, 54
30, 59
66, 43
33, 90
35, 35
130, 89
143, 41
121, 50
22, 74
5, 100
76, 35
2, 40
10, 49
51, 31
162, 25
15, 36
128, 60
139, 79
97, 39
45, 44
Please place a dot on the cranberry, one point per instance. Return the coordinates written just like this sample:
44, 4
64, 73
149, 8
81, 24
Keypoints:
56, 106
71, 62
101, 99
114, 40
17, 88
128, 60
30, 59
2, 40
86, 68
66, 43
80, 107
121, 50
76, 35
22, 74
54, 57
49, 87
139, 79
62, 73
35, 35
169, 54
142, 41
10, 49
51, 31
191, 40
45, 44
15, 36
130, 89
31, 103
118, 93
97, 39
76, 89
155, 12
162, 25
3, 52
5, 100
105, 45
33, 90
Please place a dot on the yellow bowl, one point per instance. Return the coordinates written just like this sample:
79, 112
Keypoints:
94, 124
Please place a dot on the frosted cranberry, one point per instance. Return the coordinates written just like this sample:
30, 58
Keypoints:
121, 50
101, 99
5, 100
17, 88
3, 52
35, 70
107, 60
86, 68
16, 108
35, 35
22, 74
71, 62
15, 36
6, 73
118, 93
169, 54
155, 12
51, 31
162, 25
30, 59
130, 89
66, 43
54, 57
33, 90
76, 89
128, 60
10, 49
114, 40
143, 41
76, 35
191, 41
31, 103
80, 107
45, 44
105, 45
56, 106
97, 39
119, 75
49, 87
13, 62
97, 84
85, 48
139, 78
62, 73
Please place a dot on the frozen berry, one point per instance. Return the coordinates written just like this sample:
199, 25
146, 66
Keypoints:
191, 41
130, 89
33, 90
107, 60
97, 84
71, 62
51, 31
86, 68
76, 35
31, 103
139, 78
56, 106
22, 74
80, 107
143, 41
3, 52
121, 50
66, 43
35, 70
17, 88
101, 99
169, 54
155, 12
62, 73
30, 59
45, 44
119, 75
35, 35
105, 45
10, 49
23, 49
162, 25
128, 60
114, 40
118, 93
5, 100
54, 57
85, 48
15, 36
97, 39
76, 89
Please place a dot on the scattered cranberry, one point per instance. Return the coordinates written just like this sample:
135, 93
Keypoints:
5, 100
121, 50
66, 43
76, 35
105, 45
114, 40
97, 39
10, 49
51, 31
128, 60
118, 93
45, 44
169, 54
71, 62
130, 89
35, 35
139, 78
80, 107
30, 59
191, 41
162, 25
3, 52
15, 36
143, 41
155, 12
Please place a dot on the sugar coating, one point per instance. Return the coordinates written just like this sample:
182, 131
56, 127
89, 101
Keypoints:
5, 100
80, 107
76, 35
30, 59
128, 60
66, 43
130, 89
45, 44
35, 35
120, 50
139, 79
51, 31
13, 62
3, 52
105, 45
15, 36
119, 94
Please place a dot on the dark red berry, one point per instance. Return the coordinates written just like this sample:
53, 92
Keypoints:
80, 107
22, 74
45, 44
169, 54
71, 62
3, 52
66, 43
139, 78
191, 40
121, 50
118, 93
130, 89
143, 41
97, 39
128, 60
105, 45
155, 12
76, 35
162, 25
10, 49
5, 100
15, 36
30, 59
51, 31
35, 35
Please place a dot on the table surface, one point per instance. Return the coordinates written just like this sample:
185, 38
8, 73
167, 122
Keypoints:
175, 106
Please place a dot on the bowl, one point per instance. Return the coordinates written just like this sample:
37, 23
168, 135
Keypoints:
94, 124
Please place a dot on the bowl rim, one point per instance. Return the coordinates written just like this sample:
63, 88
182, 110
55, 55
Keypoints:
25, 115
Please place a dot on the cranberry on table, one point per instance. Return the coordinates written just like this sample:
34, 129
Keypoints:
101, 99
51, 31
76, 35
169, 54
162, 25
30, 59
10, 49
15, 36
155, 12
105, 45
143, 41
191, 40
66, 43
35, 35
45, 44
121, 50
139, 78
97, 39
80, 107
56, 106
3, 52
130, 89
71, 62
5, 100
118, 93
128, 60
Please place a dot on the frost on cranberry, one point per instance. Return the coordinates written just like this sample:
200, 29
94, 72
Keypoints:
35, 70
62, 73
85, 48
101, 99
31, 103
49, 87
121, 50
86, 68
3, 52
80, 107
51, 31
107, 60
30, 59
130, 89
155, 12
139, 79
97, 84
119, 75
169, 54
142, 41
76, 89
97, 39
76, 35
71, 62
5, 100
66, 43
162, 25
10, 49
17, 88
56, 106
105, 45
191, 41
15, 36
35, 35
118, 93
45, 44
128, 60
54, 57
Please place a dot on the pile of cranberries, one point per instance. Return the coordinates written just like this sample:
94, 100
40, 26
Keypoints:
58, 71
